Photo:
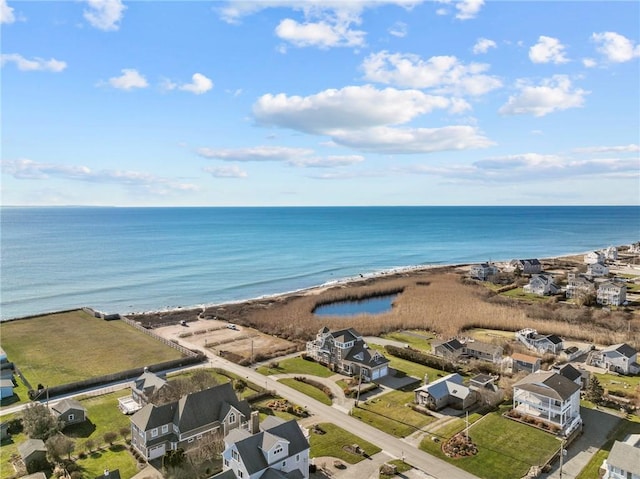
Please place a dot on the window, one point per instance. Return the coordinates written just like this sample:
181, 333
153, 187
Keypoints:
71, 417
234, 455
154, 432
277, 450
240, 474
165, 428
284, 463
232, 417
297, 457
226, 462
190, 439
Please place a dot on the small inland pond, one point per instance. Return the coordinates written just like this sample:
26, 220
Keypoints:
373, 305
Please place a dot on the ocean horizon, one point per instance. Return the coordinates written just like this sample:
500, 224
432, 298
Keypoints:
133, 259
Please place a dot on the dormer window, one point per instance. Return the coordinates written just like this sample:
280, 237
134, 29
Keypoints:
277, 450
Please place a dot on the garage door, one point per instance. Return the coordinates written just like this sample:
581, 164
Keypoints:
156, 451
378, 373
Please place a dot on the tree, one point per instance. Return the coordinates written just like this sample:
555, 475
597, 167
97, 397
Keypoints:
173, 458
594, 391
89, 445
124, 432
109, 437
39, 423
58, 446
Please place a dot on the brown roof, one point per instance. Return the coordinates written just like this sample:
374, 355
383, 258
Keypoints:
525, 358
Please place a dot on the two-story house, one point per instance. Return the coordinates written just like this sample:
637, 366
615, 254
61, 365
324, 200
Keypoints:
346, 352
620, 358
549, 397
594, 257
279, 451
541, 285
542, 343
623, 461
578, 286
597, 270
526, 266
483, 271
182, 424
610, 293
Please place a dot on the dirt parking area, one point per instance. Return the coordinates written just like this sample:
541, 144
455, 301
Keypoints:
223, 338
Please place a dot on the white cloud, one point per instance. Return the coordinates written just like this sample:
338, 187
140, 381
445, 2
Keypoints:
26, 169
300, 157
104, 14
446, 74
589, 62
547, 50
6, 13
129, 80
412, 140
351, 107
398, 29
533, 167
200, 84
483, 45
553, 94
226, 172
36, 64
321, 34
615, 47
468, 9
631, 148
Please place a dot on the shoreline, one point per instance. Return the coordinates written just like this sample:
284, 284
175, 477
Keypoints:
310, 290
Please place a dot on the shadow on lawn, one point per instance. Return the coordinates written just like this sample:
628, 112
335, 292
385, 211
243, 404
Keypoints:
84, 429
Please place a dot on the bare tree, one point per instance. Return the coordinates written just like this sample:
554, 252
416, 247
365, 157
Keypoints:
58, 446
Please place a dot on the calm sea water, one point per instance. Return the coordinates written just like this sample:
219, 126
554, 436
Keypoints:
139, 259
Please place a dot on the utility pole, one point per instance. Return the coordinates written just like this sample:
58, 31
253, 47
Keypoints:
359, 383
562, 451
466, 429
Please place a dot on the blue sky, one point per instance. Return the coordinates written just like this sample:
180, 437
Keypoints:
406, 102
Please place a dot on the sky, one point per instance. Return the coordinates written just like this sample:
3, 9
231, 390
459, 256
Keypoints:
305, 103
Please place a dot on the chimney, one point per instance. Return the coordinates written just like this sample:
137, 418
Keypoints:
106, 473
254, 425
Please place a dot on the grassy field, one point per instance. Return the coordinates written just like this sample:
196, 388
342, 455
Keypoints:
296, 366
104, 415
65, 347
518, 293
410, 368
506, 449
489, 335
334, 440
614, 382
391, 414
307, 389
416, 339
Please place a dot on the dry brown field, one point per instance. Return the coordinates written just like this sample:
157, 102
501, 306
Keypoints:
432, 299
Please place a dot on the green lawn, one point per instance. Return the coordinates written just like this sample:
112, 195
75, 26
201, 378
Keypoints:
390, 414
614, 382
41, 347
419, 339
506, 449
334, 440
410, 368
297, 365
307, 389
104, 416
490, 335
265, 410
519, 293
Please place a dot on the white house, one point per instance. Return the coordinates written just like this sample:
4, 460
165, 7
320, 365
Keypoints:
597, 270
549, 397
483, 271
611, 253
624, 460
578, 285
542, 343
621, 358
634, 247
279, 451
593, 257
610, 293
541, 285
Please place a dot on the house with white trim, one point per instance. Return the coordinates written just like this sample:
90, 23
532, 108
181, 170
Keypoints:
542, 343
611, 253
524, 362
448, 391
451, 349
346, 352
194, 417
611, 293
483, 271
279, 451
549, 397
483, 351
597, 270
578, 285
541, 285
620, 358
623, 461
594, 257
526, 266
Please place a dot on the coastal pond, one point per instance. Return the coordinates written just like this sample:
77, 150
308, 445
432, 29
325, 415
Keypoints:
372, 305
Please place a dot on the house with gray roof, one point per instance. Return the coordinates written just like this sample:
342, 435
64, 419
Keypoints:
346, 352
578, 285
549, 397
182, 424
451, 349
542, 343
483, 271
447, 391
541, 285
483, 351
145, 386
620, 358
69, 411
33, 453
279, 451
526, 266
623, 461
611, 293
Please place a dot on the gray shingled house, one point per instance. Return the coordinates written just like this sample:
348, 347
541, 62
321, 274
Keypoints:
69, 411
33, 453
279, 451
182, 424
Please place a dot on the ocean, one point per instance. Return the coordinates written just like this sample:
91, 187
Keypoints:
122, 260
